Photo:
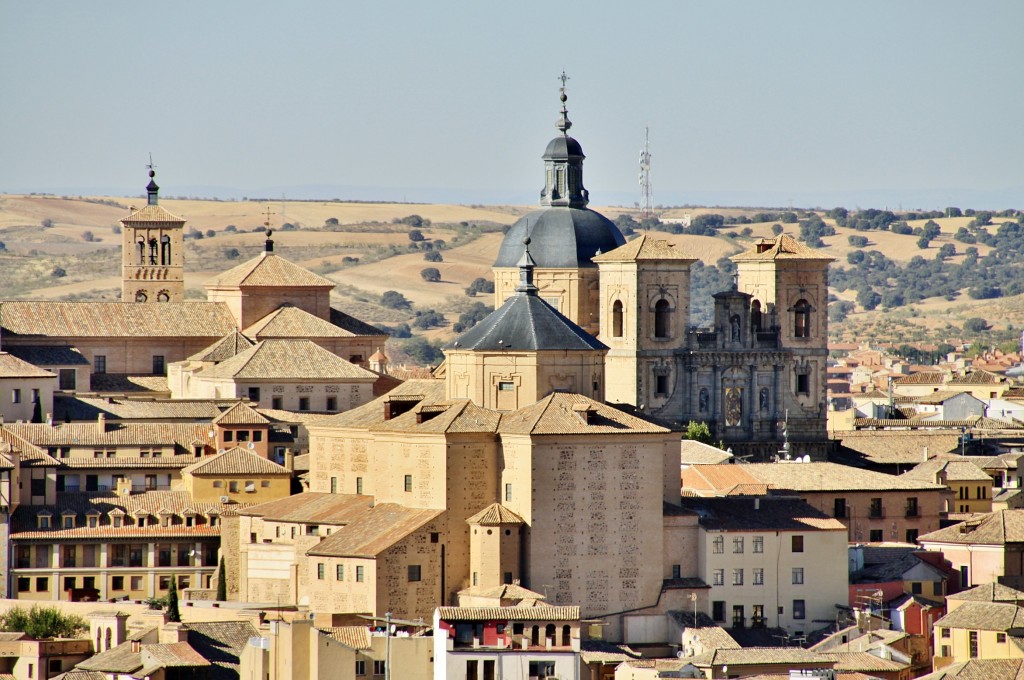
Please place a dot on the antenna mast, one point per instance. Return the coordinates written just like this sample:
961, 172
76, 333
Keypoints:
645, 176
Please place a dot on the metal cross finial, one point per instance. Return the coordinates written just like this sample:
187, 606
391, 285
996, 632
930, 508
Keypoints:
563, 78
150, 165
266, 222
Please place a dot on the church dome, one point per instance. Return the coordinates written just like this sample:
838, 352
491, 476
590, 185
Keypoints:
561, 237
562, 148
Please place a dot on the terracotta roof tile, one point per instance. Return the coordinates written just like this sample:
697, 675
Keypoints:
176, 654
313, 507
644, 248
996, 528
900, 447
954, 471
235, 462
999, 616
222, 643
241, 414
540, 613
746, 656
81, 407
151, 214
374, 531
225, 348
268, 269
114, 434
980, 669
754, 514
823, 477
49, 318
505, 591
563, 413
13, 367
287, 359
495, 514
291, 322
782, 247
922, 378
355, 637
989, 592
371, 413
127, 462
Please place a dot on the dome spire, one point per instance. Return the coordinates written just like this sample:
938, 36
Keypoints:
152, 189
526, 264
563, 123
563, 164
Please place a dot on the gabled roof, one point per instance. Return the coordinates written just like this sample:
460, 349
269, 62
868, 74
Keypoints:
225, 348
312, 507
152, 214
980, 669
998, 616
291, 322
423, 391
922, 378
989, 592
644, 248
241, 414
978, 378
954, 470
782, 247
806, 477
179, 435
759, 655
49, 355
287, 360
495, 514
235, 462
567, 413
222, 643
353, 325
456, 415
13, 367
996, 528
269, 270
373, 532
760, 514
505, 591
48, 318
354, 637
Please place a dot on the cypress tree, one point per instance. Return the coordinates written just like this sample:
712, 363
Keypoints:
172, 601
222, 583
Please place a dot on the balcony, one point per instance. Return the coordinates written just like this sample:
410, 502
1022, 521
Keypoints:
876, 512
912, 512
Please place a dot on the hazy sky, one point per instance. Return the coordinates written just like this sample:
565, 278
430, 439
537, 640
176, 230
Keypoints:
872, 103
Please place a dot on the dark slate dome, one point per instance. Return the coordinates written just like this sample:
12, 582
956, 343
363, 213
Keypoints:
563, 147
561, 237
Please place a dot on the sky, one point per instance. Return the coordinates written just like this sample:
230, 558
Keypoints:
875, 103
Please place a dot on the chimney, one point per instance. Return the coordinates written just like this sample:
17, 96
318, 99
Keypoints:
171, 633
399, 404
49, 419
101, 423
586, 412
289, 459
124, 487
136, 646
378, 362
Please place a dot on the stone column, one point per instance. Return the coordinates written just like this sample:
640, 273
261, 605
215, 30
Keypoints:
716, 387
753, 399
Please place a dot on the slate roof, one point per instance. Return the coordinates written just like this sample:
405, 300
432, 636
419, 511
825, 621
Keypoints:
782, 247
13, 367
525, 322
234, 463
354, 637
760, 514
996, 528
49, 355
287, 360
561, 238
374, 531
998, 616
538, 613
495, 514
48, 318
291, 322
989, 592
645, 248
269, 270
241, 414
225, 348
313, 507
563, 413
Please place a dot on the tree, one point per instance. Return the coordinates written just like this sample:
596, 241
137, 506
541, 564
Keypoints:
116, 229
429, 319
37, 409
222, 582
42, 622
480, 285
173, 615
858, 241
954, 212
431, 274
210, 233
698, 432
58, 272
394, 300
333, 221
868, 299
946, 251
776, 229
231, 229
47, 223
231, 253
923, 242
3, 246
976, 325
415, 235
433, 256
88, 236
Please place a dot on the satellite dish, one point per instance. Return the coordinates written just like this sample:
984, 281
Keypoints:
251, 446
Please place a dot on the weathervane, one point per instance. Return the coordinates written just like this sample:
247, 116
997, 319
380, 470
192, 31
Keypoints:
150, 165
266, 222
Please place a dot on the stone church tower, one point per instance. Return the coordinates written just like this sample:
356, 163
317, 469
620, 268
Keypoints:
152, 253
566, 235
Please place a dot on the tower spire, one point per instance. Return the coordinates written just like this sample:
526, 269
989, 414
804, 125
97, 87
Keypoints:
526, 265
563, 123
563, 163
151, 189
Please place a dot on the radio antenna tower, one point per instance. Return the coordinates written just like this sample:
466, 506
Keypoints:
645, 177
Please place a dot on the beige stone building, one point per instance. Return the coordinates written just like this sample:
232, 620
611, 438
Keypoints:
238, 475
22, 387
152, 252
985, 549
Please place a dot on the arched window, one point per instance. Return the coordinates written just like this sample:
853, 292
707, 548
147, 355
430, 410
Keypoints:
142, 251
617, 319
140, 296
163, 296
549, 633
165, 250
152, 250
802, 319
109, 639
755, 315
535, 638
566, 637
661, 319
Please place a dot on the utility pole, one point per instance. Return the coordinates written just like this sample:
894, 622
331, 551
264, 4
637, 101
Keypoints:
387, 646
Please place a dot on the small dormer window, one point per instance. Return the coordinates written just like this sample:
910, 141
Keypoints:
44, 521
68, 521
116, 521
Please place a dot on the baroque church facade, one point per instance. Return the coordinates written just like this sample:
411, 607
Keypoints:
757, 377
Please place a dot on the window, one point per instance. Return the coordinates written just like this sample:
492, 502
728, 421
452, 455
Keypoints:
472, 669
661, 384
798, 544
799, 610
945, 632
229, 436
718, 545
802, 319
875, 510
737, 577
360, 574
70, 583
718, 577
69, 521
617, 319
233, 487
42, 584
320, 571
677, 571
276, 403
254, 394
334, 485
339, 572
264, 483
359, 485
973, 642
839, 508
408, 483
542, 669
217, 484
965, 582
876, 536
912, 535
360, 668
798, 575
117, 582
738, 616
1000, 638
508, 492
737, 544
916, 587
803, 383
937, 588
718, 610
506, 386
136, 582
24, 584
414, 573
250, 486
378, 668
303, 403
332, 403
757, 617
758, 544
16, 396
38, 487
67, 379
661, 319
758, 576
159, 366
912, 509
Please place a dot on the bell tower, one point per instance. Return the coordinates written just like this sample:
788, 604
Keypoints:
152, 252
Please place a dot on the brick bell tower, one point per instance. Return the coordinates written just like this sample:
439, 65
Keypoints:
152, 252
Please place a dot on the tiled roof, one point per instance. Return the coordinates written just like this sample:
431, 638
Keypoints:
221, 643
818, 477
758, 655
353, 325
270, 270
29, 454
73, 674
374, 531
236, 462
600, 651
954, 470
939, 397
999, 616
760, 514
980, 669
123, 383
152, 213
291, 322
120, 659
897, 448
225, 348
693, 452
495, 514
287, 359
355, 637
13, 367
989, 592
893, 570
978, 378
540, 613
126, 462
997, 528
79, 407
369, 414
49, 318
456, 415
312, 507
49, 355
175, 654
864, 661
782, 247
644, 248
563, 413
241, 414
922, 378
505, 591
114, 434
